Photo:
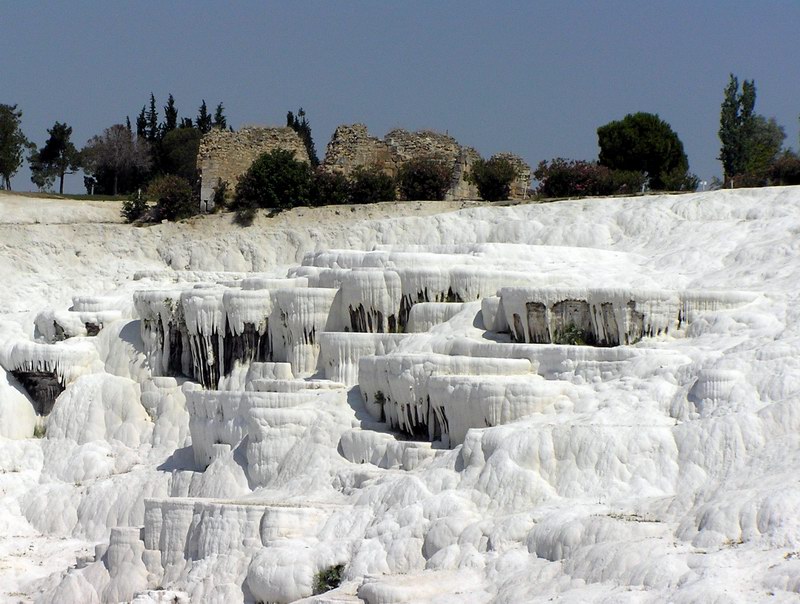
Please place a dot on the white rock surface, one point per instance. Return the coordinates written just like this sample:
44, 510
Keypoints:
660, 471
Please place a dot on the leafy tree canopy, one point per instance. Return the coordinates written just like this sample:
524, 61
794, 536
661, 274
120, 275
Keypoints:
179, 152
12, 143
493, 177
57, 158
274, 180
425, 178
118, 155
642, 142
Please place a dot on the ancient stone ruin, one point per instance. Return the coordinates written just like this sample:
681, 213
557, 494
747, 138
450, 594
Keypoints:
225, 155
352, 146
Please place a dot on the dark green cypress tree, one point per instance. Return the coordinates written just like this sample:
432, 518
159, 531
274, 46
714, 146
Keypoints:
141, 124
300, 124
203, 121
220, 121
152, 121
170, 116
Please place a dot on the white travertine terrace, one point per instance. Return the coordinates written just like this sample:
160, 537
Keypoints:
562, 402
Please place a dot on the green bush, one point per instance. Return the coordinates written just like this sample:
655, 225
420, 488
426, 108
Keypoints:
626, 182
370, 184
274, 180
569, 178
425, 178
134, 207
220, 194
785, 170
679, 179
493, 178
173, 196
330, 188
328, 578
577, 178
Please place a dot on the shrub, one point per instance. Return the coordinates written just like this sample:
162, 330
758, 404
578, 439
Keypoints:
173, 196
577, 178
566, 178
274, 180
679, 179
785, 170
493, 178
134, 207
425, 178
330, 188
328, 578
220, 192
626, 182
370, 184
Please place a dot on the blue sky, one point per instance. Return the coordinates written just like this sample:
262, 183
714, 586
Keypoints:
534, 78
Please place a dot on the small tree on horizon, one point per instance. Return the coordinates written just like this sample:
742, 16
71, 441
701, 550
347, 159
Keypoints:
57, 158
642, 142
117, 152
751, 143
736, 113
170, 116
203, 122
220, 121
300, 124
13, 143
152, 129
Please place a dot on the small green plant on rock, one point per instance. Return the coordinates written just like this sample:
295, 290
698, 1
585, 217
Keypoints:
573, 336
134, 207
328, 578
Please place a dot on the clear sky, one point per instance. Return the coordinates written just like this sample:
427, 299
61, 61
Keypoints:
536, 78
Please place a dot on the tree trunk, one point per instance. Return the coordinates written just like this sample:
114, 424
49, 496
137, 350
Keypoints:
61, 185
115, 183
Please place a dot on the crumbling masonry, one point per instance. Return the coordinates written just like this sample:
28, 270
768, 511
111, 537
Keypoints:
224, 156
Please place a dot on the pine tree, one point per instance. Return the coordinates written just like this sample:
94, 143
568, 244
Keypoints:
170, 116
57, 158
141, 124
220, 121
203, 121
128, 124
152, 121
300, 124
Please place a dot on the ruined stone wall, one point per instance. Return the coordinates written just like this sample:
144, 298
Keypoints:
227, 155
352, 146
